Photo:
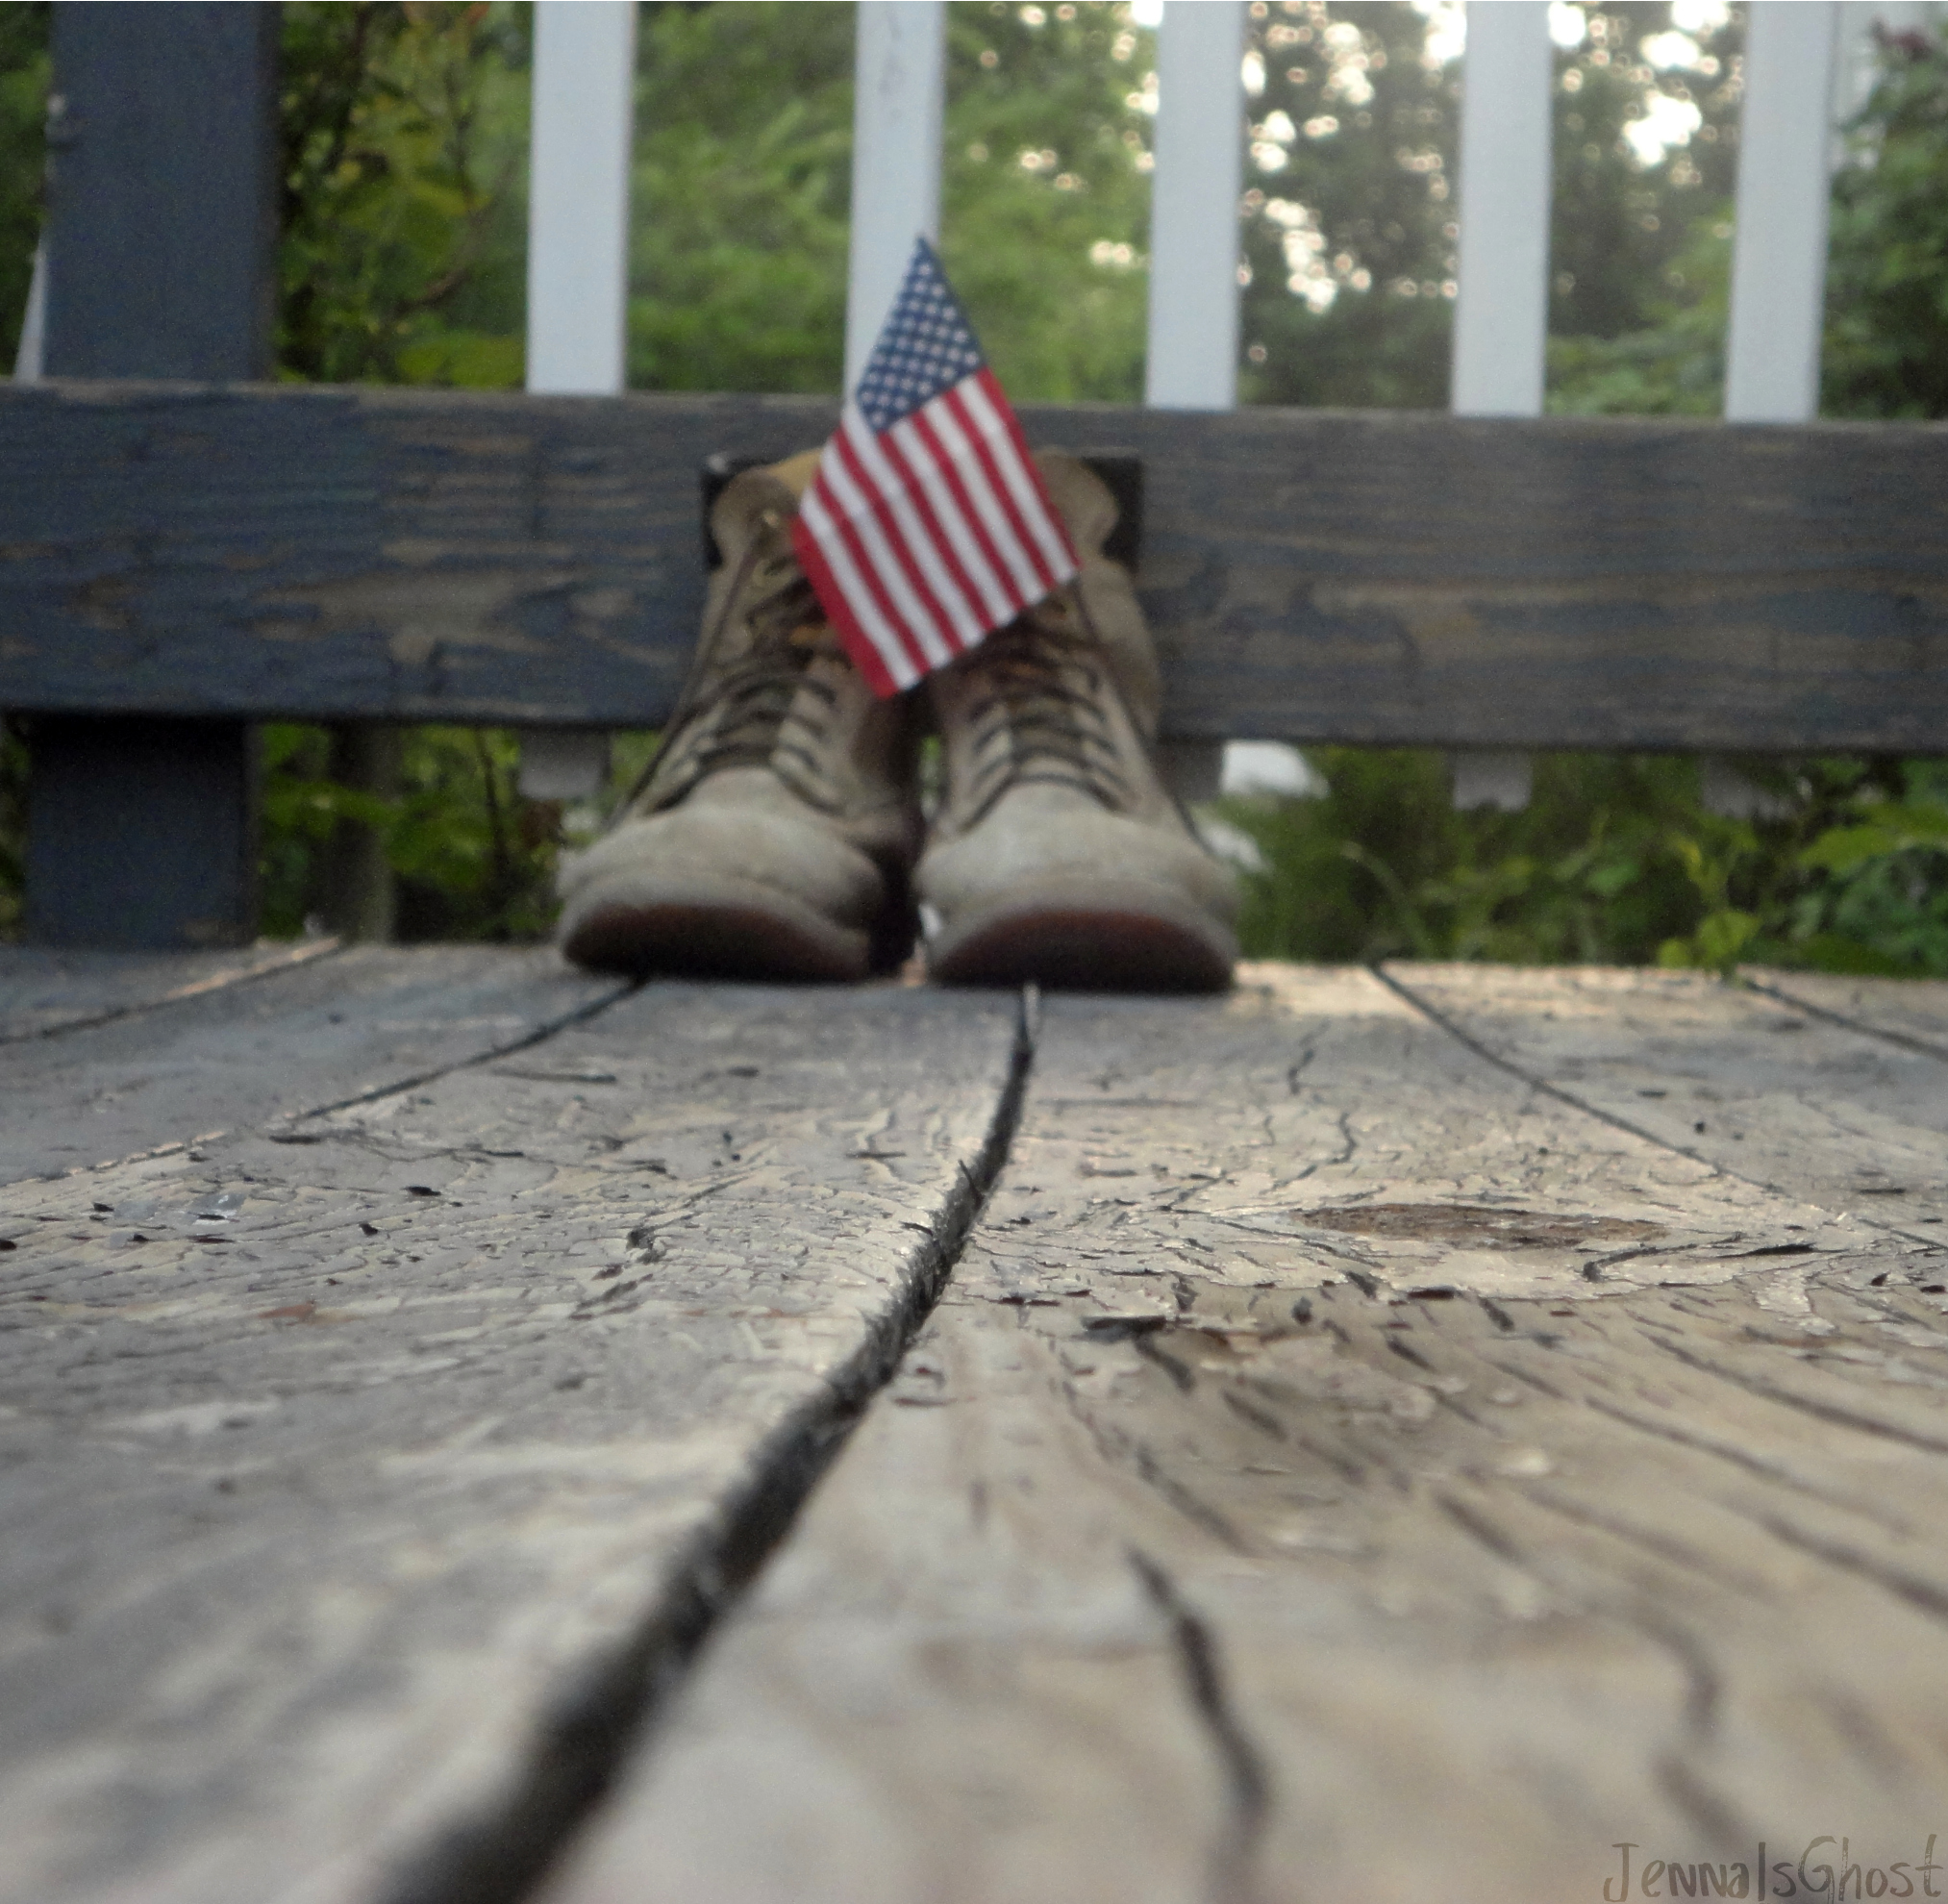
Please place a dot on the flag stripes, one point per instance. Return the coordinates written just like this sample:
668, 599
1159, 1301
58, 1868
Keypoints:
921, 538
927, 525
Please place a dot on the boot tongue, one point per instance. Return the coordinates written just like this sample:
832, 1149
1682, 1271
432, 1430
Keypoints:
1090, 513
1081, 498
796, 472
739, 513
749, 495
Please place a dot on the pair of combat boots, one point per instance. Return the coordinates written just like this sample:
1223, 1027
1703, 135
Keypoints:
779, 832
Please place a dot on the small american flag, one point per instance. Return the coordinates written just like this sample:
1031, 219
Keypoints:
927, 524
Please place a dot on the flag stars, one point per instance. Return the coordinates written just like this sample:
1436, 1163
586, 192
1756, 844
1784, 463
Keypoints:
926, 347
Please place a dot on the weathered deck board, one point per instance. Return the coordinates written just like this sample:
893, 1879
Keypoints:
1277, 1508
1902, 1008
363, 1473
297, 1039
1362, 576
1738, 1078
43, 994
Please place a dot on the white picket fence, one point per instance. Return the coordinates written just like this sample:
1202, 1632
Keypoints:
578, 215
578, 212
583, 127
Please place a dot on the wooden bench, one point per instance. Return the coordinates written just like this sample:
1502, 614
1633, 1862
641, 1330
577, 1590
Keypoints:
182, 562
472, 1431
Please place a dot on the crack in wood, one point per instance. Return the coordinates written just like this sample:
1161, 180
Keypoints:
1234, 1878
1489, 1054
1450, 1668
1764, 1469
270, 962
539, 1034
1926, 1594
581, 1747
1824, 1411
1907, 1041
1418, 1000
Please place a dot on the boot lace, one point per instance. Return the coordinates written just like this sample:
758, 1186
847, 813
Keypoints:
1041, 712
766, 707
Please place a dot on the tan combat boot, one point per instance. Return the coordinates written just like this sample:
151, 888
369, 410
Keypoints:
1057, 854
774, 833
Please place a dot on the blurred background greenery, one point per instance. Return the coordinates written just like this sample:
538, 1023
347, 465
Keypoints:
403, 261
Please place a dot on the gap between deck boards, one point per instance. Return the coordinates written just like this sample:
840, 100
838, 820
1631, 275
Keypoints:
47, 1017
1712, 1158
583, 1750
577, 1749
968, 1674
482, 1854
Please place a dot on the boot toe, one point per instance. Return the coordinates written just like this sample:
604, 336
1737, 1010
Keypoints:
724, 888
675, 923
1052, 888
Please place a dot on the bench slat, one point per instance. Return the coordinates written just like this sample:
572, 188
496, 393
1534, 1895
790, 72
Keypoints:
1314, 576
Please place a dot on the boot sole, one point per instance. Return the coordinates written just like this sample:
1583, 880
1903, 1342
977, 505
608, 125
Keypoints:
1087, 937
722, 928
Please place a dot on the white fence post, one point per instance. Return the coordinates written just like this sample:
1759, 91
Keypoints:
1778, 256
582, 141
1779, 241
1193, 361
27, 356
899, 94
1501, 320
578, 195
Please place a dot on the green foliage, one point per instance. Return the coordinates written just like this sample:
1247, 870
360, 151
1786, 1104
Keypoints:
1640, 252
1349, 230
24, 117
1046, 193
1627, 206
1662, 347
1673, 366
1350, 224
742, 191
1883, 902
741, 187
474, 860
1887, 335
1615, 860
404, 134
1593, 870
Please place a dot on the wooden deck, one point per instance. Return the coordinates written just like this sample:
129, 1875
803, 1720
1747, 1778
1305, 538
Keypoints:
470, 1431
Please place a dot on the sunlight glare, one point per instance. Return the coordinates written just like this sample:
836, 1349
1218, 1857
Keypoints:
1699, 16
1447, 30
1666, 123
1665, 50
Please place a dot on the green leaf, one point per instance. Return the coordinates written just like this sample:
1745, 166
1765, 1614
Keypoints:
1833, 952
1842, 849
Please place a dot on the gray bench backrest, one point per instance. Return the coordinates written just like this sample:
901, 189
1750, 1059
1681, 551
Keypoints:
251, 552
